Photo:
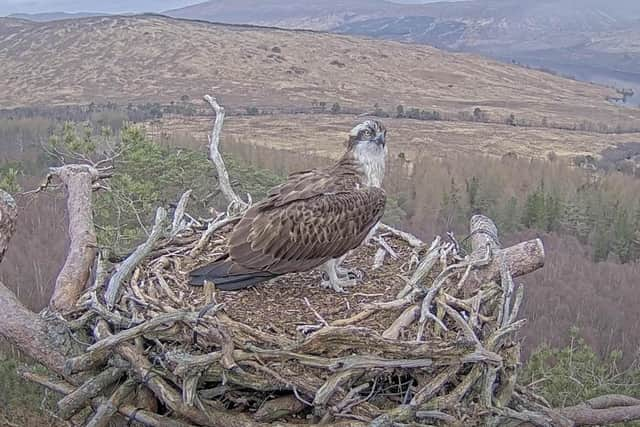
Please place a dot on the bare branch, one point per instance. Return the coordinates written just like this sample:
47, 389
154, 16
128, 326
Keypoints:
134, 259
412, 240
236, 204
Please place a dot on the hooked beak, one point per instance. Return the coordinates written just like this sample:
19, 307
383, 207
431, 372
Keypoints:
380, 139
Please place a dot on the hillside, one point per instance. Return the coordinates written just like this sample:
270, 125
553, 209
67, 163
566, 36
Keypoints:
308, 14
553, 34
53, 16
153, 58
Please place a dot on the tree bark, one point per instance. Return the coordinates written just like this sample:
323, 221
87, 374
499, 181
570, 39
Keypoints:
603, 410
78, 180
521, 259
8, 215
29, 332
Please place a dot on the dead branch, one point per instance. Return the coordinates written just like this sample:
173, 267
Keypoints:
603, 410
78, 399
78, 181
177, 224
134, 259
109, 407
236, 204
8, 216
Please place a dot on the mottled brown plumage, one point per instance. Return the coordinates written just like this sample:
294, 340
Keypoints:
314, 217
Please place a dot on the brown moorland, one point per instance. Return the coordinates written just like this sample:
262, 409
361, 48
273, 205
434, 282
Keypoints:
323, 134
154, 58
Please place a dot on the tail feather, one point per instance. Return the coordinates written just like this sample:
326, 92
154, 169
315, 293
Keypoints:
220, 273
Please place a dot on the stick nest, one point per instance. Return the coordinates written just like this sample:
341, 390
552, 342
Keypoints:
413, 343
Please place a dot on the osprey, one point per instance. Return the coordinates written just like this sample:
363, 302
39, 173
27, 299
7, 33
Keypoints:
314, 219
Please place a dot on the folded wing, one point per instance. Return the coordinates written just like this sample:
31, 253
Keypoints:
304, 233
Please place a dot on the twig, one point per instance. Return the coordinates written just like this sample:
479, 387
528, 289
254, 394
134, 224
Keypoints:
134, 259
412, 240
315, 313
386, 247
177, 224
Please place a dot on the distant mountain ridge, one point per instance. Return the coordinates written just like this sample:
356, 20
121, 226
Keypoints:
54, 16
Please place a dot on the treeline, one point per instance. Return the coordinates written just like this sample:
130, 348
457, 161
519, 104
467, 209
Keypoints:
477, 115
109, 114
592, 213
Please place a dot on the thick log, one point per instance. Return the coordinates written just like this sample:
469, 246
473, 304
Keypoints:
603, 410
74, 402
29, 332
144, 372
131, 412
78, 181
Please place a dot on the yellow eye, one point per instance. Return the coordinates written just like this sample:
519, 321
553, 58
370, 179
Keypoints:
367, 133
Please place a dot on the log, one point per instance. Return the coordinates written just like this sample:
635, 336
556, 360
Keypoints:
131, 412
74, 402
521, 259
109, 407
167, 394
78, 181
603, 410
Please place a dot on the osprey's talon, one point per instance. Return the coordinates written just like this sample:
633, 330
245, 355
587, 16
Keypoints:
351, 273
338, 285
356, 275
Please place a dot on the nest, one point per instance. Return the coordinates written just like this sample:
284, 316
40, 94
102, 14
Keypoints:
414, 343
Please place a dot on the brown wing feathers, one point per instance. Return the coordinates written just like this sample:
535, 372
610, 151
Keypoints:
308, 220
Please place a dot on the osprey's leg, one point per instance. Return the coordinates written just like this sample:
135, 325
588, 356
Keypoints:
371, 235
331, 279
350, 273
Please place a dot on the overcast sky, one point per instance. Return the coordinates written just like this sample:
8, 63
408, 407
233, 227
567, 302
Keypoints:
35, 6
8, 7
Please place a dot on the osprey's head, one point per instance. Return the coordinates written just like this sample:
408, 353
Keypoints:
370, 133
367, 143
